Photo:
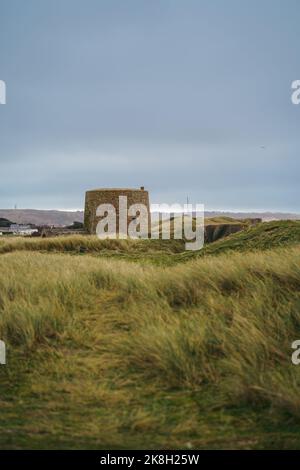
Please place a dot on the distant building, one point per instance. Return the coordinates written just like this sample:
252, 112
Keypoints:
4, 230
18, 229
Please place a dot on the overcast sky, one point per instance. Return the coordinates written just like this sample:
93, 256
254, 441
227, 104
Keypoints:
183, 97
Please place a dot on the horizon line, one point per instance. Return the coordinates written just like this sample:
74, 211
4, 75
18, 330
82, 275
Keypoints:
234, 211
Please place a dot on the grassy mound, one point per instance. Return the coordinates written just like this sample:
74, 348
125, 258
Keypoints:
163, 252
260, 237
223, 220
110, 354
88, 244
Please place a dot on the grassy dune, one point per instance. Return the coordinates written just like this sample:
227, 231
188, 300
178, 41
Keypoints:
158, 251
104, 353
162, 252
260, 237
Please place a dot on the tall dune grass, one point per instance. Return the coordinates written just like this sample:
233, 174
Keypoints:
226, 323
87, 244
261, 237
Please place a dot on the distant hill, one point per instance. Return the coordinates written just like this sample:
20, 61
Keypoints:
227, 216
42, 217
66, 218
265, 216
5, 222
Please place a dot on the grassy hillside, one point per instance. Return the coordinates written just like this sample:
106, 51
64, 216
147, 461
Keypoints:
160, 252
260, 237
41, 217
109, 354
222, 220
163, 252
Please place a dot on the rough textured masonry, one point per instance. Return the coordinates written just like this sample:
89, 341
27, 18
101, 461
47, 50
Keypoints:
96, 197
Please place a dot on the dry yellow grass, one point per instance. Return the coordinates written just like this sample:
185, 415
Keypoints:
106, 354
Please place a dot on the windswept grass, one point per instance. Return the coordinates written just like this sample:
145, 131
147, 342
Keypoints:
154, 251
106, 354
261, 237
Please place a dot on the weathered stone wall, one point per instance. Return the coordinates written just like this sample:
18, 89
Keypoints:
96, 197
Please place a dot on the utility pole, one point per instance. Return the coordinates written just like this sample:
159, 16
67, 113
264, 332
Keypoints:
187, 203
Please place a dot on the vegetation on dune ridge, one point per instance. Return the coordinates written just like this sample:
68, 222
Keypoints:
89, 244
163, 252
223, 219
260, 237
109, 354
